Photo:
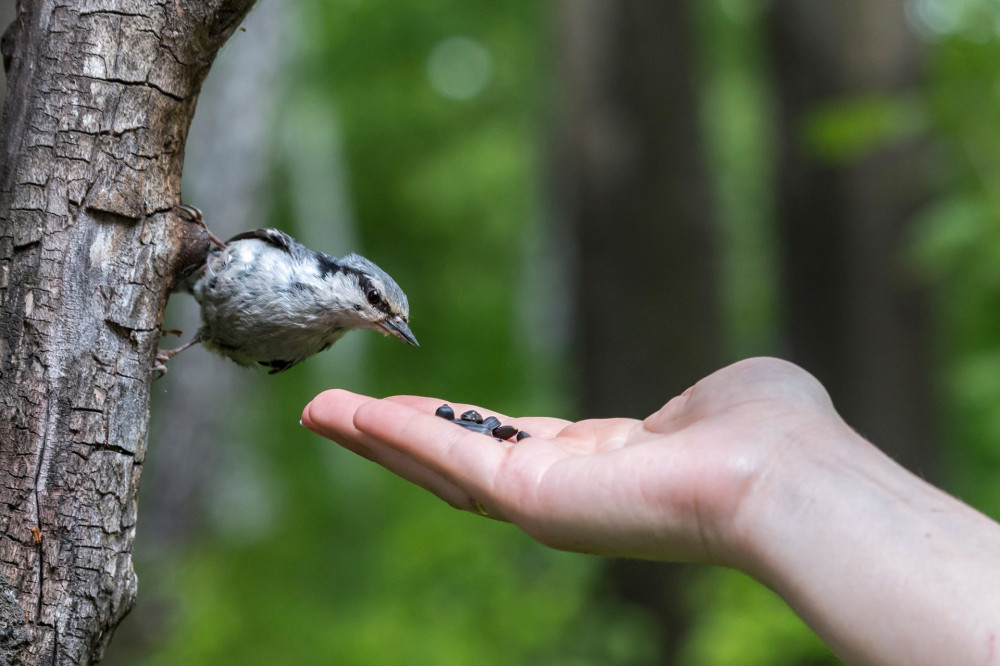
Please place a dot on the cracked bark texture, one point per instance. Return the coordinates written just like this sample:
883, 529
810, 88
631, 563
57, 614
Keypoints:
100, 97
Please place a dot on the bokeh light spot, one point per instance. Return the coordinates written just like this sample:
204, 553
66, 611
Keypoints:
459, 68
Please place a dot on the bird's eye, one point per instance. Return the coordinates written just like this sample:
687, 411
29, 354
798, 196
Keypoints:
374, 297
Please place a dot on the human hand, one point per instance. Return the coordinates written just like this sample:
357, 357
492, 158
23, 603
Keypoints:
669, 487
751, 468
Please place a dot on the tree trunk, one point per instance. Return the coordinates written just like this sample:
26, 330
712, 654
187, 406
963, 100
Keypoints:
854, 315
633, 189
100, 95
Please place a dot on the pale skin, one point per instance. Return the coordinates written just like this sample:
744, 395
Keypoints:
751, 468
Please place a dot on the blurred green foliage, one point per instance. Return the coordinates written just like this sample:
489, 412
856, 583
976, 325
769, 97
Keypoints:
742, 622
957, 245
845, 131
358, 567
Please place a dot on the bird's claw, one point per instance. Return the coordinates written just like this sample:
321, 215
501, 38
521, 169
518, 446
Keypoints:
160, 363
164, 355
192, 214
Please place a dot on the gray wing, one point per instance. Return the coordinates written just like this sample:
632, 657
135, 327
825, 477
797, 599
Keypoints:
278, 239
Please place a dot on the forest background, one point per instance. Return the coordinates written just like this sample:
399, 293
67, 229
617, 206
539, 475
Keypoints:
590, 205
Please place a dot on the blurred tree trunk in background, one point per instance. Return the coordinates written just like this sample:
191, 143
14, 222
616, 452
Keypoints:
853, 314
98, 104
634, 196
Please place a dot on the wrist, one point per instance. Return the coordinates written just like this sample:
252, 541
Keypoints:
820, 481
883, 566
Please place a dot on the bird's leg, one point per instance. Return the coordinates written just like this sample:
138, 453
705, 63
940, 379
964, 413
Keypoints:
192, 214
164, 355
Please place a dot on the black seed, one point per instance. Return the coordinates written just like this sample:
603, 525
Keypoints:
491, 422
445, 412
522, 435
504, 432
472, 415
474, 427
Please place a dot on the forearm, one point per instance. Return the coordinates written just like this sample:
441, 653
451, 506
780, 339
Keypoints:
886, 568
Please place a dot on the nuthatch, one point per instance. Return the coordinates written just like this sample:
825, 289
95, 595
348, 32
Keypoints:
266, 298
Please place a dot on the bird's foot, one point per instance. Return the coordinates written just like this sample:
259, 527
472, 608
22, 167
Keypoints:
160, 363
163, 355
192, 214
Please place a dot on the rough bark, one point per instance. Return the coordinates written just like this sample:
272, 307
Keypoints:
854, 315
634, 192
100, 96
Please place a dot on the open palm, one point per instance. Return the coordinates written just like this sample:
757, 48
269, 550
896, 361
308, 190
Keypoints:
667, 487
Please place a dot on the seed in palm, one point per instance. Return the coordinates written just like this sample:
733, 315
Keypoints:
474, 421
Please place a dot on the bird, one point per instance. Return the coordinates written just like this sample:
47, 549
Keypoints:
268, 299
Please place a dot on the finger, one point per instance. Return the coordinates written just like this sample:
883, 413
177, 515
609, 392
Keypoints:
467, 459
673, 416
413, 471
331, 415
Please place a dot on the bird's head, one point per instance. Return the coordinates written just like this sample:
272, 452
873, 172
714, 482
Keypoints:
376, 301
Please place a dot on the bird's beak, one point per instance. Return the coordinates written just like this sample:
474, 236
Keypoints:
398, 328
